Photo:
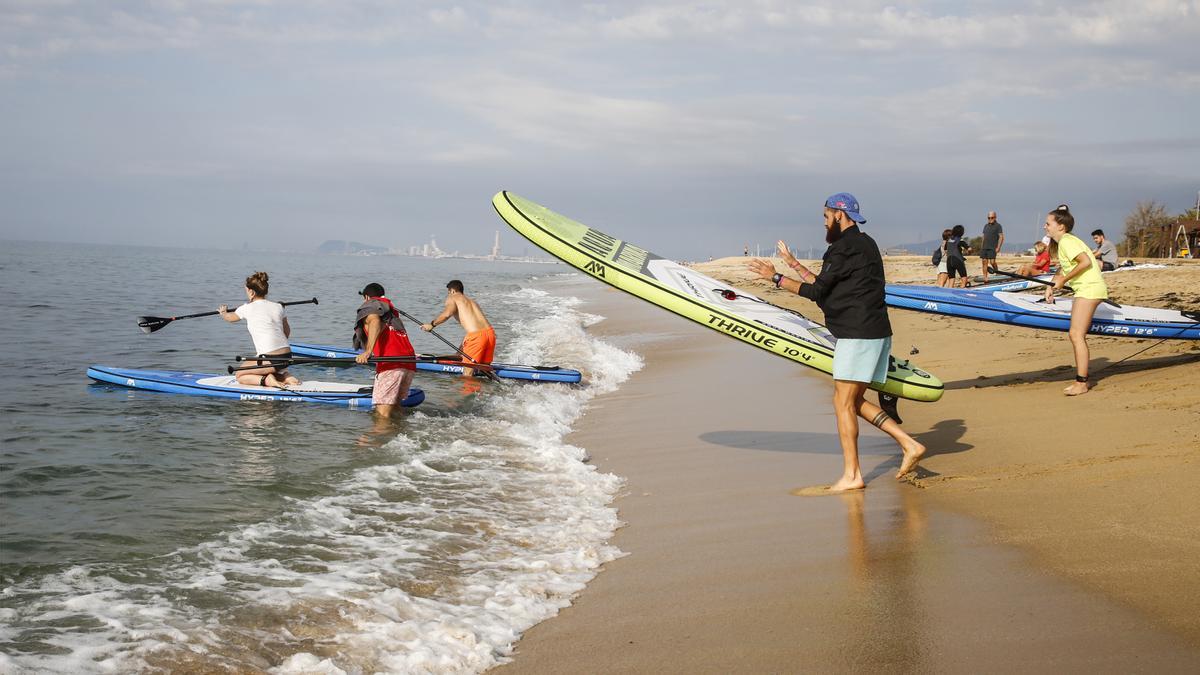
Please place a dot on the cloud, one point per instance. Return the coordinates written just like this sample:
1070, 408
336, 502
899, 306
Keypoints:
649, 98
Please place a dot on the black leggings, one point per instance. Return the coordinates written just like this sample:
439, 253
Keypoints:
956, 265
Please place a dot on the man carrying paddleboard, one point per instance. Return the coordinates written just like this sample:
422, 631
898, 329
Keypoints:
479, 345
850, 290
378, 331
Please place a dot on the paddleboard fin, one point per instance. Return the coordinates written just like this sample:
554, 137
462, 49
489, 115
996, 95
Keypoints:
889, 404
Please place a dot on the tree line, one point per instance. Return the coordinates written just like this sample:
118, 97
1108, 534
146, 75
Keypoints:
1150, 232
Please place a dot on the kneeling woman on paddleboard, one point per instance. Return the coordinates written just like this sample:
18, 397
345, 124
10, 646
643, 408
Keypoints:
1077, 269
268, 326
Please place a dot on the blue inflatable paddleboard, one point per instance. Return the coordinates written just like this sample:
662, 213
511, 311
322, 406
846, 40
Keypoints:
227, 386
504, 370
1031, 311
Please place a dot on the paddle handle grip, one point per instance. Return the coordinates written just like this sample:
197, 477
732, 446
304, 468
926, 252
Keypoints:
301, 302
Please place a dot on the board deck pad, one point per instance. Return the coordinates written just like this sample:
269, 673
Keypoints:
698, 297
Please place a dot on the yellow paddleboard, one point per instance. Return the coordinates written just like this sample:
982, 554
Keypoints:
700, 298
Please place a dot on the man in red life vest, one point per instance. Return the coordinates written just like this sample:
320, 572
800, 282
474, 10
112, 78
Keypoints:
378, 331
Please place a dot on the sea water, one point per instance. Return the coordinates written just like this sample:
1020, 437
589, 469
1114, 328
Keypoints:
156, 532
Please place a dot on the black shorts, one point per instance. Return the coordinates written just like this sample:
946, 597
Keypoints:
277, 367
956, 265
1107, 266
988, 254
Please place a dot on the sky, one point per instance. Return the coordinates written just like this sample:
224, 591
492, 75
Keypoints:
690, 128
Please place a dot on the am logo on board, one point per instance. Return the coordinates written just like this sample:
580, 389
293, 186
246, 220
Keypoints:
595, 268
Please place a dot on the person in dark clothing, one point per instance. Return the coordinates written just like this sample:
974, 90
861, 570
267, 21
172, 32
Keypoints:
956, 261
993, 241
849, 290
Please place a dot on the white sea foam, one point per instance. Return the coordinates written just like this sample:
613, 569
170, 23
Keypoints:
485, 524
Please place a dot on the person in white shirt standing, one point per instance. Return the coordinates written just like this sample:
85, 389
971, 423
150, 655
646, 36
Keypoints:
268, 326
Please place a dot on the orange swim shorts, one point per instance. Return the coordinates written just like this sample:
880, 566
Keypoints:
480, 345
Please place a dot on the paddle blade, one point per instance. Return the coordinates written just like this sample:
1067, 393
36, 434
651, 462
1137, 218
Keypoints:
149, 324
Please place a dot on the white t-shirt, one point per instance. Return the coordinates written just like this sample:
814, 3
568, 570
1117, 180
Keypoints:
264, 320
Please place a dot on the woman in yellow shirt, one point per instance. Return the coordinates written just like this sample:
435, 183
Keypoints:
1077, 269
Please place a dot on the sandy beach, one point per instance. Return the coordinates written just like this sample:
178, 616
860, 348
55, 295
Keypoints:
1042, 532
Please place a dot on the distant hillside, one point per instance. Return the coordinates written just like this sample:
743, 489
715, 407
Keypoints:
340, 247
917, 249
1010, 247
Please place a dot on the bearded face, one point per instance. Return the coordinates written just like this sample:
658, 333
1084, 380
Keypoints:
833, 225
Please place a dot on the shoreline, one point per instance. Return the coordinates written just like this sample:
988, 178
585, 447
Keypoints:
725, 570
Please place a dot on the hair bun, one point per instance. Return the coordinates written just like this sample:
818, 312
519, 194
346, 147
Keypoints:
258, 283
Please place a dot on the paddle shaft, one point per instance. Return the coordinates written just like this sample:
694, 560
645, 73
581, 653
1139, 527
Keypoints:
162, 321
1044, 283
285, 304
339, 359
277, 360
410, 317
450, 344
997, 270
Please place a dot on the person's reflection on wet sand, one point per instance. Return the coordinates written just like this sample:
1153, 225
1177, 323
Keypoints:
885, 603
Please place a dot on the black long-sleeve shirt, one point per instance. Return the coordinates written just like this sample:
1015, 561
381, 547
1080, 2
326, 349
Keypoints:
849, 288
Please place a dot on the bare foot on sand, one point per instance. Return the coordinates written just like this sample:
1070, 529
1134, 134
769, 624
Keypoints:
1077, 388
837, 488
854, 483
912, 455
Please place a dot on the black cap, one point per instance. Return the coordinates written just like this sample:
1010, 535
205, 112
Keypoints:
372, 290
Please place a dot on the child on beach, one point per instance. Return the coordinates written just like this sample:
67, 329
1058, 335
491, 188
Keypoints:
939, 257
1078, 269
1040, 264
956, 261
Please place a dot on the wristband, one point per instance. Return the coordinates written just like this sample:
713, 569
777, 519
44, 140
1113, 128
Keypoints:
795, 265
778, 279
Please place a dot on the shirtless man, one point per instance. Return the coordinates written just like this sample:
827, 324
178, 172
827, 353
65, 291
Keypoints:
480, 342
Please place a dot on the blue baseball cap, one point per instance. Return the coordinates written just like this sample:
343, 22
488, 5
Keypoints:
844, 201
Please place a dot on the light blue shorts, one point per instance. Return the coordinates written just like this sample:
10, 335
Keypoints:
861, 360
